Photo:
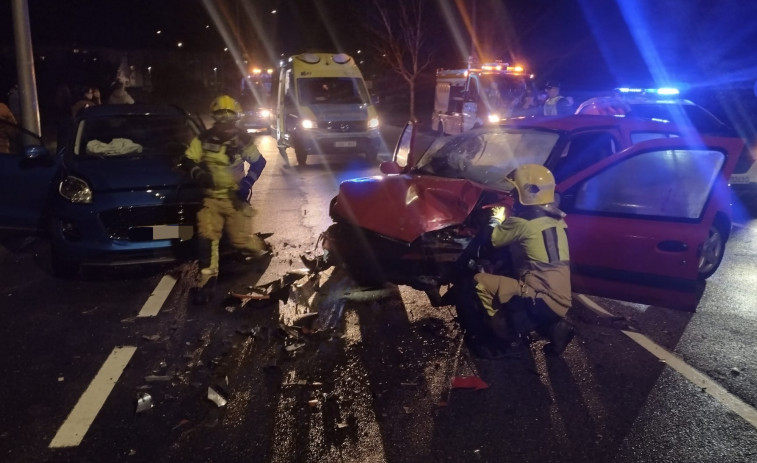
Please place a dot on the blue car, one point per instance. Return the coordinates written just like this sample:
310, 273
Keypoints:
112, 194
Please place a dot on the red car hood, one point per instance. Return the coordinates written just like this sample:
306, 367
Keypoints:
405, 206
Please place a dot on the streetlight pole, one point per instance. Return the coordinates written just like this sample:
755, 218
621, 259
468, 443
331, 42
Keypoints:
25, 70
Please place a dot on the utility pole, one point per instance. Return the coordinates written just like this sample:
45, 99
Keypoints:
25, 70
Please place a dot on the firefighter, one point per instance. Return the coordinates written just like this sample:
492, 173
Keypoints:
215, 161
556, 104
538, 296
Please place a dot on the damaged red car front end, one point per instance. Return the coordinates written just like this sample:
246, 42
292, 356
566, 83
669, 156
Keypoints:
406, 229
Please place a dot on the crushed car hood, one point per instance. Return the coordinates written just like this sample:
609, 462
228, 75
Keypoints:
403, 207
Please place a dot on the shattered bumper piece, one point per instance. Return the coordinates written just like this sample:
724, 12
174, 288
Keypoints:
216, 397
144, 402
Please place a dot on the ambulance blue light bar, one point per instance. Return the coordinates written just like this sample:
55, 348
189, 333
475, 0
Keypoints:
658, 91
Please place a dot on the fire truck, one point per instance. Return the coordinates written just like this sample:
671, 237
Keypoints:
476, 96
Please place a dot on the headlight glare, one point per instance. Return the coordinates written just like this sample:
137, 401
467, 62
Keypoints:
308, 124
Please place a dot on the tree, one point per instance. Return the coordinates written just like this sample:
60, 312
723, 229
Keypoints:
401, 30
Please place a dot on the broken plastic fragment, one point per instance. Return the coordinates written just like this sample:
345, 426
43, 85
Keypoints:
215, 397
293, 347
314, 402
144, 402
468, 382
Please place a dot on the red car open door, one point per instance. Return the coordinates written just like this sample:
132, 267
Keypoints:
646, 223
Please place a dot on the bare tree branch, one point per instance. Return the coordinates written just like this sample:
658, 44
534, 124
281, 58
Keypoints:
401, 40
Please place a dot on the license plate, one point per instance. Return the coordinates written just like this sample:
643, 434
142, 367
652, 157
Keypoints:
345, 144
161, 232
738, 179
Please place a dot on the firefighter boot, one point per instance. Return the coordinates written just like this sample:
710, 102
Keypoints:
257, 249
201, 295
560, 334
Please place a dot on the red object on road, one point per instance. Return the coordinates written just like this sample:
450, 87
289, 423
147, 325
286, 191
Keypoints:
468, 382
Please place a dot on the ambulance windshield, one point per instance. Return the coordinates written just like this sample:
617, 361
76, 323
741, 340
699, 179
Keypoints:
332, 90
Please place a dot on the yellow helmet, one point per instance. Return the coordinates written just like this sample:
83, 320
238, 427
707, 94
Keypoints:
535, 184
225, 109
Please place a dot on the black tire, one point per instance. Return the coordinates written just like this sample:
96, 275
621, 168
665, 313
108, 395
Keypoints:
353, 252
300, 153
712, 251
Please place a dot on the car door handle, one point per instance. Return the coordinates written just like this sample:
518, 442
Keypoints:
672, 246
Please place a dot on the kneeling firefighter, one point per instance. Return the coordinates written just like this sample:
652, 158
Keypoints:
501, 311
215, 161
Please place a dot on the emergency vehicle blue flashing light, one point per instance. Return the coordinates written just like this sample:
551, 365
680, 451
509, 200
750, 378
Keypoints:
658, 91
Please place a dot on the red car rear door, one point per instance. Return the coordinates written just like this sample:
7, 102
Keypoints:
638, 219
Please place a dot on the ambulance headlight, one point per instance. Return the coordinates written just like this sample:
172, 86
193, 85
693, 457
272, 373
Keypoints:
308, 124
494, 118
373, 123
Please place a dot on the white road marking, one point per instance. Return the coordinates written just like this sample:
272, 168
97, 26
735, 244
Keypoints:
592, 305
709, 386
77, 424
158, 297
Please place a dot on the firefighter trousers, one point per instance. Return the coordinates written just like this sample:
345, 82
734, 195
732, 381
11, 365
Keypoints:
219, 215
525, 308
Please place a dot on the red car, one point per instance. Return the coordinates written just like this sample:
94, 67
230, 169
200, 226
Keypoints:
647, 203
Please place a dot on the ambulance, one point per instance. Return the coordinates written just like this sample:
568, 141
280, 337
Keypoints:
476, 96
323, 107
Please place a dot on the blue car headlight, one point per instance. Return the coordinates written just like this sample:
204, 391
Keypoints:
75, 190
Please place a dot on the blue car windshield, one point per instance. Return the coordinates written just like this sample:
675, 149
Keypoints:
487, 155
133, 135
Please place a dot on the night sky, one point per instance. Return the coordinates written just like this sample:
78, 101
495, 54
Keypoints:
584, 43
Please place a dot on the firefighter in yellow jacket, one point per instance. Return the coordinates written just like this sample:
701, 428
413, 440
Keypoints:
538, 294
216, 161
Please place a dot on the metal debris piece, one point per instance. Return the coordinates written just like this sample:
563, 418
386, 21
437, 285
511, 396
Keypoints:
370, 294
314, 402
215, 397
735, 371
153, 378
128, 320
307, 323
61, 379
408, 410
301, 272
144, 402
151, 337
294, 346
341, 425
409, 384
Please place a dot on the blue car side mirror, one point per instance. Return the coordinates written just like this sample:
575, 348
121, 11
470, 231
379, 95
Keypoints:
35, 152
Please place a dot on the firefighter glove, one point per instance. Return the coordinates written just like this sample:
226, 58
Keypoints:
498, 216
245, 189
202, 176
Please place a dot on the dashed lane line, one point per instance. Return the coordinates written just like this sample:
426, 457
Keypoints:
698, 378
72, 431
158, 297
